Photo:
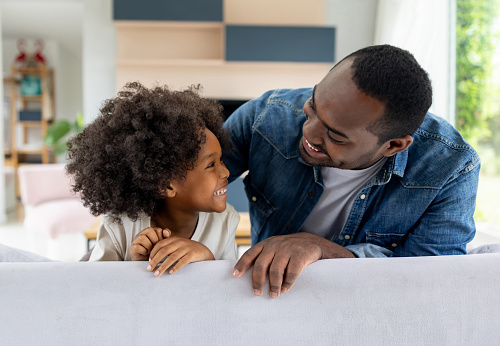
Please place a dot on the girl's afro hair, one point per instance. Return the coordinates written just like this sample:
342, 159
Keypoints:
141, 141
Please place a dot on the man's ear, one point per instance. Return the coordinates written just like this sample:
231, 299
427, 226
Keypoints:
397, 145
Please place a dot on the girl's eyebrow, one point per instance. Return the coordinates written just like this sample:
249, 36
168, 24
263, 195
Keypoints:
206, 157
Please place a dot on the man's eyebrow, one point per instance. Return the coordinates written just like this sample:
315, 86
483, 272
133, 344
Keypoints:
313, 105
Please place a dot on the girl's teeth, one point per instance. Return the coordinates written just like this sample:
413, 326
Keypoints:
220, 192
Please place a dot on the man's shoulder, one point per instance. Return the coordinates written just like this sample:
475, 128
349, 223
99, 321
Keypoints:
437, 132
278, 103
280, 120
438, 153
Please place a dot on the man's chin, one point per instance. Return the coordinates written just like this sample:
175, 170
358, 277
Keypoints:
312, 161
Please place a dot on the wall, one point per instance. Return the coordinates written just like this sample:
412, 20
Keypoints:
98, 56
355, 22
140, 56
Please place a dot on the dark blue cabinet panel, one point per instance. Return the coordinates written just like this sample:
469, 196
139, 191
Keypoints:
278, 43
182, 10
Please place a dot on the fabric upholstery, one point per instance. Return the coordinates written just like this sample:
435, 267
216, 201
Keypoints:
447, 300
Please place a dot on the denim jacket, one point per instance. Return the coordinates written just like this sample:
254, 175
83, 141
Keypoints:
420, 203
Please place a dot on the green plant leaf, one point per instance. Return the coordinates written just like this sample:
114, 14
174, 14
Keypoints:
60, 148
56, 131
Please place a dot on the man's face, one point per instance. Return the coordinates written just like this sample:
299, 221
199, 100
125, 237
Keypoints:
335, 133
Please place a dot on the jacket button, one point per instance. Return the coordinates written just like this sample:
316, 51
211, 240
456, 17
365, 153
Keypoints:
394, 245
254, 198
363, 196
288, 228
347, 237
311, 193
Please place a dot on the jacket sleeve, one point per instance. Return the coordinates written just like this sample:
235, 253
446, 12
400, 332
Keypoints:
446, 226
240, 126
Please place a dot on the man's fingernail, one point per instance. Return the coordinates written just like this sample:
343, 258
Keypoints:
150, 268
284, 289
236, 272
257, 292
157, 273
274, 294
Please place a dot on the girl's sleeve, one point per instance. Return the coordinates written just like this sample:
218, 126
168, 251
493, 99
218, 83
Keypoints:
230, 250
106, 247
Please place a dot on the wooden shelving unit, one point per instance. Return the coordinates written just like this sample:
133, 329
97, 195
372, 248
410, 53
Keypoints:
41, 106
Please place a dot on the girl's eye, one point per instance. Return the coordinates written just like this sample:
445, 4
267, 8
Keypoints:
211, 164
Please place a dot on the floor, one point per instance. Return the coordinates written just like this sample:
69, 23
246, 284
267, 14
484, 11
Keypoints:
72, 247
66, 248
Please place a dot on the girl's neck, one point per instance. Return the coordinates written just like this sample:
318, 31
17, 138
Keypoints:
179, 223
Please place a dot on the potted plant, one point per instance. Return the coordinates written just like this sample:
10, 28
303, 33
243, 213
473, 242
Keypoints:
59, 132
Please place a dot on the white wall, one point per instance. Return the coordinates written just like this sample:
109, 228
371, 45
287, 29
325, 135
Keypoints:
98, 56
355, 23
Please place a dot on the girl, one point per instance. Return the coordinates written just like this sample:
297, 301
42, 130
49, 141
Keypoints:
152, 162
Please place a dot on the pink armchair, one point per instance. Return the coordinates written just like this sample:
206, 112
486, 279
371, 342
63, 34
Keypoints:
49, 206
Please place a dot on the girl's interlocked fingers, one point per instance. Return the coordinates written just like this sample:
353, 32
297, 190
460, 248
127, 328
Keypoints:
145, 241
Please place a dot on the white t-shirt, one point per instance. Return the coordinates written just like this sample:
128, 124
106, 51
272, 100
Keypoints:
341, 187
214, 230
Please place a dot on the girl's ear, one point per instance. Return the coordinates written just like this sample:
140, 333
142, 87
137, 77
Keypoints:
170, 191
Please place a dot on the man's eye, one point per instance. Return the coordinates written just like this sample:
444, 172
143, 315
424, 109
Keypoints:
333, 139
311, 104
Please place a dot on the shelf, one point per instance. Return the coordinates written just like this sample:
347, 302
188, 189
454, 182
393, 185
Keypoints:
30, 98
168, 62
29, 118
31, 70
30, 123
168, 40
30, 151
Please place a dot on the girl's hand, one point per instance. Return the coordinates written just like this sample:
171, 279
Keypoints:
145, 241
180, 250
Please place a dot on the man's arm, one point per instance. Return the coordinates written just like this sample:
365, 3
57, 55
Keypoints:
448, 223
445, 229
284, 257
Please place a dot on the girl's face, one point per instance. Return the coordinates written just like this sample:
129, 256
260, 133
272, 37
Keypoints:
204, 187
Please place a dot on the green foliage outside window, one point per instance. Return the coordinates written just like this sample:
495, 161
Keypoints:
476, 40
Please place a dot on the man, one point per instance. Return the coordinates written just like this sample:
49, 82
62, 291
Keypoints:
352, 168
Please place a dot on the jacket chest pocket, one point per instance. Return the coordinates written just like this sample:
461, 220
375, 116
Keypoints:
257, 199
387, 240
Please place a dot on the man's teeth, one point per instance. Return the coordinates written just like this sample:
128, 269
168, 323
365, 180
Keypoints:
310, 146
220, 192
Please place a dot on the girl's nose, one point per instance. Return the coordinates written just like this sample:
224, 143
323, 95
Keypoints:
224, 172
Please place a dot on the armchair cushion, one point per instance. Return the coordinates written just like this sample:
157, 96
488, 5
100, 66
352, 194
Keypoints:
41, 183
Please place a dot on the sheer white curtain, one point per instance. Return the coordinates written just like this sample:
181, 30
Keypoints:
3, 214
426, 28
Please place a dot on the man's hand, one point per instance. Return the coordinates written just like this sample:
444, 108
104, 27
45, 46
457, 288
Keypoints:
144, 242
175, 249
284, 257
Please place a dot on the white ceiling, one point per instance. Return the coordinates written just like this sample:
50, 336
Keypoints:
58, 20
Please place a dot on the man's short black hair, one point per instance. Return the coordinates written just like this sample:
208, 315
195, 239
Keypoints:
392, 76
